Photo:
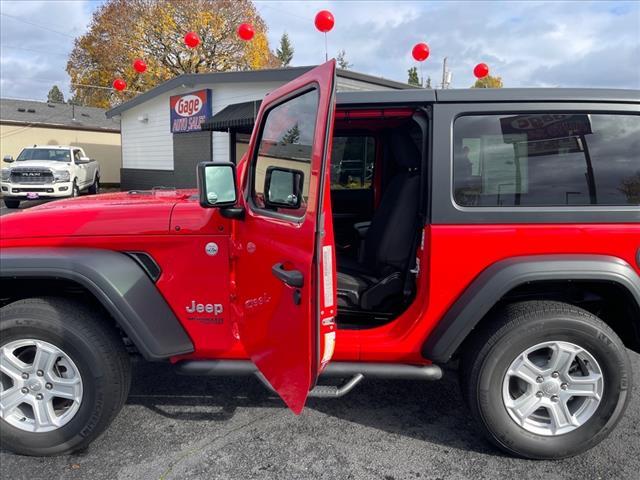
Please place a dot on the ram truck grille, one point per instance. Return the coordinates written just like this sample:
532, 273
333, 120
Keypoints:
31, 176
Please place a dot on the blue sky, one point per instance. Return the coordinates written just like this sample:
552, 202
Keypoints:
528, 43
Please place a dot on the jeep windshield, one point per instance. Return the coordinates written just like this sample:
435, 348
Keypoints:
53, 154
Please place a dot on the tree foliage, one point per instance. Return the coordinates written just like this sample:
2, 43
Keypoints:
55, 95
413, 77
122, 30
631, 188
343, 63
285, 51
488, 82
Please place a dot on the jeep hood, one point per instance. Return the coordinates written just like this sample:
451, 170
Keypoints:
134, 213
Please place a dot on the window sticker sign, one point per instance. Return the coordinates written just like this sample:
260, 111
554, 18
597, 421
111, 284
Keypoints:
189, 110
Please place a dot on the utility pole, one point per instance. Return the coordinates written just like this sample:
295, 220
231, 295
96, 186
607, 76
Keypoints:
444, 73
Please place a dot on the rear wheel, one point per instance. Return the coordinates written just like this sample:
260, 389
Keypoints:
546, 380
65, 375
11, 203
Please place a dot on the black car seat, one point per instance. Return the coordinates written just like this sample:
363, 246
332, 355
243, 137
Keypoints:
378, 277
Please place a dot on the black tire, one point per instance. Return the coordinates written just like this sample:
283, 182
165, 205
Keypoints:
95, 188
11, 203
75, 190
90, 340
513, 330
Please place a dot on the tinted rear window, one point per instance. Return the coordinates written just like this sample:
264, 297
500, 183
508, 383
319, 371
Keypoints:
547, 159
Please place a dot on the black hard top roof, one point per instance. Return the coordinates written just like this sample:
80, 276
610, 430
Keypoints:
490, 95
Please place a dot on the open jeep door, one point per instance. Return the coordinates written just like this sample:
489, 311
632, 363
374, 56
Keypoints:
283, 273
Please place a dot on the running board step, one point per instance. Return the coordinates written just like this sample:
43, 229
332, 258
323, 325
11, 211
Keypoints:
323, 391
399, 371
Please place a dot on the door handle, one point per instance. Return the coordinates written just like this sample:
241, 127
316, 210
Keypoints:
293, 278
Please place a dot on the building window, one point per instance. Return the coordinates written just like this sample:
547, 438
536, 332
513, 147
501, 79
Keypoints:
546, 159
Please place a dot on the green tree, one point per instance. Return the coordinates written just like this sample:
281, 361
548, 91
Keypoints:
428, 84
55, 95
488, 82
285, 52
343, 63
413, 77
123, 30
292, 135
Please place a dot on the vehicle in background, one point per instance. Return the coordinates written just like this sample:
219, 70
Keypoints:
47, 171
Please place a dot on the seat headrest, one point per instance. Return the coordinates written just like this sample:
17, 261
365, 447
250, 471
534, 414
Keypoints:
405, 151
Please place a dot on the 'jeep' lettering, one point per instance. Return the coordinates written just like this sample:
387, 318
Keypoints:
215, 308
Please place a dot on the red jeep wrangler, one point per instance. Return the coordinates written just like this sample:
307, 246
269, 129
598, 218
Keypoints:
382, 235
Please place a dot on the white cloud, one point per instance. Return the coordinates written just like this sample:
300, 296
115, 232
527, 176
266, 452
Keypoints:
36, 38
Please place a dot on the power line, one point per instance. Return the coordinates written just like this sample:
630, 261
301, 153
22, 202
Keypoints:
36, 25
13, 47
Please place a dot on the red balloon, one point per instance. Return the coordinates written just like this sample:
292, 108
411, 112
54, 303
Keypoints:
481, 70
420, 52
139, 65
119, 84
324, 20
191, 39
245, 31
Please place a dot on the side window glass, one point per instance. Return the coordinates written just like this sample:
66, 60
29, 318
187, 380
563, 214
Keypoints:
546, 159
286, 142
76, 155
352, 162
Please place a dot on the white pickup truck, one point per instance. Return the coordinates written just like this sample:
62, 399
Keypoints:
48, 171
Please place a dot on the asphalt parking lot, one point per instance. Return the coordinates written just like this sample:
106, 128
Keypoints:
178, 427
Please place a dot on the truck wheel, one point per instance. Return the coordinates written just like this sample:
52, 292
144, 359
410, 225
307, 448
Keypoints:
75, 191
95, 188
11, 203
546, 380
65, 376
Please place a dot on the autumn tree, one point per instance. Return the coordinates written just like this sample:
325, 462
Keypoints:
285, 51
343, 63
488, 82
122, 30
413, 77
55, 95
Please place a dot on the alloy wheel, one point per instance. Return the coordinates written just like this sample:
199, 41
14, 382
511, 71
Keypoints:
40, 386
553, 388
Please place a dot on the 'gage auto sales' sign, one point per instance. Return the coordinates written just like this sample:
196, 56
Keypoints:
189, 110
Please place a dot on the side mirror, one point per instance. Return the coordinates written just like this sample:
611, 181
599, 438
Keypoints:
8, 158
83, 160
283, 188
217, 184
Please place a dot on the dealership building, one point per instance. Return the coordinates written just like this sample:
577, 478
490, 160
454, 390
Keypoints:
168, 130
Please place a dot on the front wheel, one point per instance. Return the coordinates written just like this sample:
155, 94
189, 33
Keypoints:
11, 203
546, 380
65, 375
75, 190
95, 187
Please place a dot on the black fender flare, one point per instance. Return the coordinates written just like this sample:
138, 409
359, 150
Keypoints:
503, 276
118, 282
